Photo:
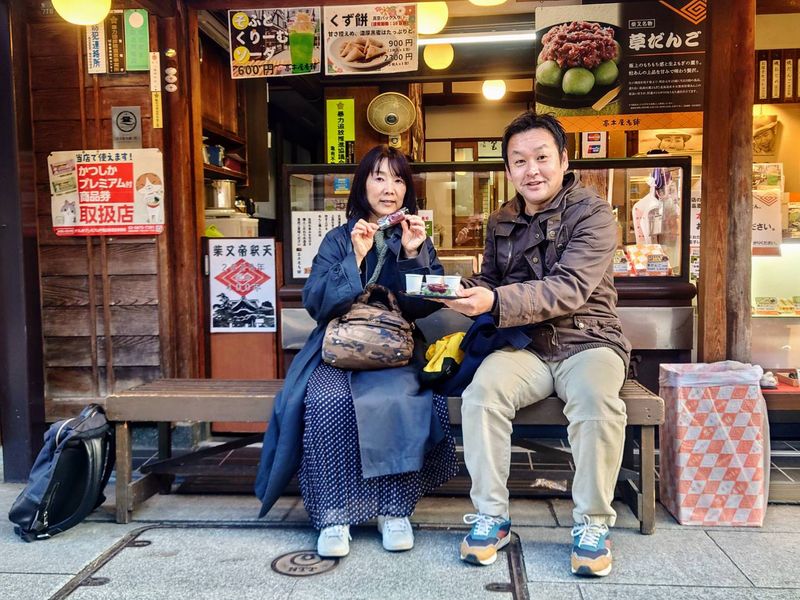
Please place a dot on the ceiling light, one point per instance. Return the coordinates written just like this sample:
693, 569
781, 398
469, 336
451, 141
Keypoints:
480, 38
82, 12
431, 17
487, 2
438, 56
494, 89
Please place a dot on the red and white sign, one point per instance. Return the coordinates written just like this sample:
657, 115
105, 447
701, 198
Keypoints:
107, 192
242, 284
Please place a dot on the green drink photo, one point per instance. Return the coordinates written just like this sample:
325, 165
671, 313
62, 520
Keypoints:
301, 43
301, 47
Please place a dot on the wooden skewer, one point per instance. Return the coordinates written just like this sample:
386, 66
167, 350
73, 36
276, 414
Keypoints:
606, 98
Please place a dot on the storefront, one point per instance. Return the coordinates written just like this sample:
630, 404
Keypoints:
117, 310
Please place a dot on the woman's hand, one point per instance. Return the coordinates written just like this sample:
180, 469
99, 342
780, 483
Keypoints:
413, 235
362, 236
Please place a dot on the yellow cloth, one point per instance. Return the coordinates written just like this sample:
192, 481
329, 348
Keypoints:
443, 348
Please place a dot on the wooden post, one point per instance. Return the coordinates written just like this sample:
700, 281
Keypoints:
727, 210
184, 213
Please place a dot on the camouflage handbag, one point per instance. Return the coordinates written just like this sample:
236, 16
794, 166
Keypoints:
372, 335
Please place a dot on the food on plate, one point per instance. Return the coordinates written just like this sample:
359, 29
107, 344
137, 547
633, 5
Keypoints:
577, 56
362, 49
577, 81
605, 73
436, 288
549, 73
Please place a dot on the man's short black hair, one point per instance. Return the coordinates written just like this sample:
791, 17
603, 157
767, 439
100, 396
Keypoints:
530, 120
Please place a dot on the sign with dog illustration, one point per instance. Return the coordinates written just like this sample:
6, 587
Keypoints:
107, 192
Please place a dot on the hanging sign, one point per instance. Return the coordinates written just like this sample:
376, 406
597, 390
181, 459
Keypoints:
368, 39
137, 40
96, 60
126, 127
340, 119
242, 284
115, 41
107, 192
274, 42
308, 229
637, 65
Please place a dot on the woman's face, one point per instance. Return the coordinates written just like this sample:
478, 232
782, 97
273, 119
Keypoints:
385, 191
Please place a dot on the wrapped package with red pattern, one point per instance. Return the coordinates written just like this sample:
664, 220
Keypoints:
714, 451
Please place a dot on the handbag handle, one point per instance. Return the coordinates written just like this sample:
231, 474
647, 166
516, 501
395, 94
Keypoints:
374, 289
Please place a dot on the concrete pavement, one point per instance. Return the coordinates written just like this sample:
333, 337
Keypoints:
212, 546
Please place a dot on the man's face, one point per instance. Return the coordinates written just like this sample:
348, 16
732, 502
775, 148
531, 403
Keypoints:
536, 168
672, 142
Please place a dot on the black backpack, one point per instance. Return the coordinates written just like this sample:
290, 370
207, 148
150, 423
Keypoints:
68, 477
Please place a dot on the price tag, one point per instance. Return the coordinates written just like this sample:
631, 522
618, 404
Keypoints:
657, 264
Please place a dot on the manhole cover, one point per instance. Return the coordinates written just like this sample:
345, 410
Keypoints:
303, 564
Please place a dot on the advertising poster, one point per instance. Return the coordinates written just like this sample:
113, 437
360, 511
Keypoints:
308, 229
242, 284
107, 192
341, 124
637, 65
767, 194
274, 42
369, 39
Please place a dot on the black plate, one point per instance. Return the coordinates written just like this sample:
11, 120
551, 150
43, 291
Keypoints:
552, 96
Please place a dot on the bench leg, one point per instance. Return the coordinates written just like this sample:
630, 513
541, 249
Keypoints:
123, 467
647, 479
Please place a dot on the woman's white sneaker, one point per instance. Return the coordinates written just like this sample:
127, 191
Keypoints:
397, 533
334, 541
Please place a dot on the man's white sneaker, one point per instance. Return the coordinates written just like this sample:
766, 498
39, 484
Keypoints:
397, 533
334, 541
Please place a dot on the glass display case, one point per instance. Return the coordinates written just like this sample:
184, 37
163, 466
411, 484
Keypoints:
650, 197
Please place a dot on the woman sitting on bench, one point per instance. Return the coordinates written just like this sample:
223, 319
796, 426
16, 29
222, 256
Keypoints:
367, 443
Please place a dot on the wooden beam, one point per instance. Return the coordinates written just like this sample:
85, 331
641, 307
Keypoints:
777, 7
159, 8
727, 210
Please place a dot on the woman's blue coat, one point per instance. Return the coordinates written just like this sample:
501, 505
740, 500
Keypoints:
392, 440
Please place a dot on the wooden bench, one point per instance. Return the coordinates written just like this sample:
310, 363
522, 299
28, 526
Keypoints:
169, 400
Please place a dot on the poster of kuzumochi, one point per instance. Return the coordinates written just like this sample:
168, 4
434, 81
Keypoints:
107, 192
242, 284
369, 39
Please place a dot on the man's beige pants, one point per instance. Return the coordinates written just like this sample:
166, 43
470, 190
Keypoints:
508, 380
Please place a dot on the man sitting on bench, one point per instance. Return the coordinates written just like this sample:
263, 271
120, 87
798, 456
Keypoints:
548, 264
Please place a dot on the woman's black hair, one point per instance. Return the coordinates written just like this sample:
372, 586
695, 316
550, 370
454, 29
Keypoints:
530, 120
357, 203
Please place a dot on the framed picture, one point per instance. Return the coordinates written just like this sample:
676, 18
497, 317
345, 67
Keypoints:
765, 135
672, 141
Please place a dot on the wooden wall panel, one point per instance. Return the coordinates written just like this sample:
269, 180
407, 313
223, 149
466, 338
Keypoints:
58, 72
131, 320
123, 290
65, 291
109, 279
42, 103
128, 351
77, 382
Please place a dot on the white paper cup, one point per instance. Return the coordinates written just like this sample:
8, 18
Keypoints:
434, 278
453, 282
413, 283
